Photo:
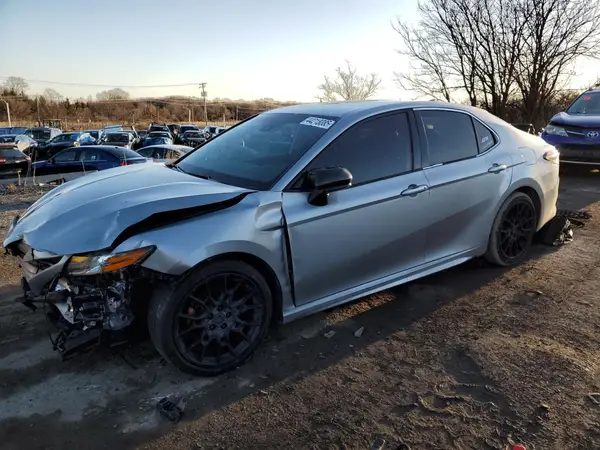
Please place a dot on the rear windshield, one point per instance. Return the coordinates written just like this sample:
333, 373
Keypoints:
587, 103
117, 137
11, 154
7, 139
193, 134
40, 134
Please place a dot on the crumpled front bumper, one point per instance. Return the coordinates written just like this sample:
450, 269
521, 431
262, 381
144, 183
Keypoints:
38, 268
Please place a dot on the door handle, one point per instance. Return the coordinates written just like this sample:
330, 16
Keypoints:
414, 190
497, 168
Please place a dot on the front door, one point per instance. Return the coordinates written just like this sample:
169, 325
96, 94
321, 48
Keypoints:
467, 175
369, 230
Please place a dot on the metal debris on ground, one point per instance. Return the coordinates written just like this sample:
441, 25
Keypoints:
378, 444
535, 292
556, 232
329, 334
169, 410
594, 398
358, 333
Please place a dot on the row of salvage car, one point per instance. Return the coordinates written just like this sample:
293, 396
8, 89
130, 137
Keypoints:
48, 151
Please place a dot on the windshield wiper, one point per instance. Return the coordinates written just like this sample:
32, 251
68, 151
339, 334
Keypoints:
173, 166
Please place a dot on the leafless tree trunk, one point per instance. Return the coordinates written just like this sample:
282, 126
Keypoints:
348, 85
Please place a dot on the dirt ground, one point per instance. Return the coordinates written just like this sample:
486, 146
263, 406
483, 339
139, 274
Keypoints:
465, 359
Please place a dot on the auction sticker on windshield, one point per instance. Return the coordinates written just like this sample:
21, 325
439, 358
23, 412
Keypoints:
318, 122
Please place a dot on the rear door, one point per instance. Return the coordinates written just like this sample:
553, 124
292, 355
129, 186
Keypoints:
65, 161
467, 173
92, 159
367, 231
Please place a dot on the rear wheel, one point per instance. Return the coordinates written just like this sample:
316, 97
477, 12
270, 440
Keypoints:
213, 320
513, 231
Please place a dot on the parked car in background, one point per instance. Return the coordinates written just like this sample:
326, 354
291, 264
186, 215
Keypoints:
193, 138
141, 136
42, 134
120, 138
62, 141
576, 132
16, 130
157, 138
96, 134
13, 162
159, 127
182, 129
21, 142
211, 130
87, 159
296, 210
164, 153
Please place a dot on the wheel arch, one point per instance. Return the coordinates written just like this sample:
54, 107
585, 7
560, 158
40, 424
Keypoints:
532, 189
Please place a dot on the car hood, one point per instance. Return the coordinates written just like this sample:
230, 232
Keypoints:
89, 213
580, 120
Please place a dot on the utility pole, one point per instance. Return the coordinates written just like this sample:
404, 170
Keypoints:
37, 101
202, 86
236, 113
8, 113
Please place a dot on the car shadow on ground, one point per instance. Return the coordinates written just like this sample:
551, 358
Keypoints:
113, 395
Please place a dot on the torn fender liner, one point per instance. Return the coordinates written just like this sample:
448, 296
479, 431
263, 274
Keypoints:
91, 212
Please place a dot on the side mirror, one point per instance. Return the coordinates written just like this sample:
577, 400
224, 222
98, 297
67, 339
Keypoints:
324, 180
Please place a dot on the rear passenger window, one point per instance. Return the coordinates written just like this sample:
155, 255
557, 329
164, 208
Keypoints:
450, 136
485, 138
371, 150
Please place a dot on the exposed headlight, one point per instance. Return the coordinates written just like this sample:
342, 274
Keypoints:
107, 262
553, 129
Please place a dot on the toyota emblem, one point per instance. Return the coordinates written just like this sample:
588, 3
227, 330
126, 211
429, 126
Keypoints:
592, 134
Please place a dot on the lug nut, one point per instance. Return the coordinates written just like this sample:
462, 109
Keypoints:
224, 326
212, 327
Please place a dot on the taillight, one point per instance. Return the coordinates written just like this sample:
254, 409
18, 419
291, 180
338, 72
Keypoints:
2, 160
552, 156
126, 163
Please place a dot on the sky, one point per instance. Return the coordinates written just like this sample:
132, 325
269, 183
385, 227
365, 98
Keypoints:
248, 49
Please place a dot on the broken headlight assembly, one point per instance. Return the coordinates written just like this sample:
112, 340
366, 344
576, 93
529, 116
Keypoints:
99, 263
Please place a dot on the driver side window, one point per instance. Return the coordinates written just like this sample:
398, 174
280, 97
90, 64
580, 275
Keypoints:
371, 150
65, 156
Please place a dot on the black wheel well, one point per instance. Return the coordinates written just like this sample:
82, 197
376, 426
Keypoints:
535, 198
265, 270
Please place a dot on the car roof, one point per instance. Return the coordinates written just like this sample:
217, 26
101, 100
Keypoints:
340, 109
168, 146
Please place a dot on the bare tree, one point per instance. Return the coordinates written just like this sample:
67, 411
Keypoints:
463, 47
113, 94
491, 51
52, 95
15, 86
348, 85
558, 34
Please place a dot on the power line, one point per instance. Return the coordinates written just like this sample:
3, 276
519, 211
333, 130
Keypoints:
139, 86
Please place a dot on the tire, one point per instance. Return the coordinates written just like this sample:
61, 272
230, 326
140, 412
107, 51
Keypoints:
214, 319
496, 251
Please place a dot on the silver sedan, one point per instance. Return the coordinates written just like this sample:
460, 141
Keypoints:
288, 213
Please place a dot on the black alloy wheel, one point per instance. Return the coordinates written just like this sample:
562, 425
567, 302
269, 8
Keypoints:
214, 319
513, 230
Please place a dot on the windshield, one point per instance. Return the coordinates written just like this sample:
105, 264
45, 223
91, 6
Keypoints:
588, 103
116, 137
65, 138
39, 134
185, 128
7, 139
256, 153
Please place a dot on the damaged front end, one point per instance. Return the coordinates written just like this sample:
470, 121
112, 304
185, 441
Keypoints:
89, 299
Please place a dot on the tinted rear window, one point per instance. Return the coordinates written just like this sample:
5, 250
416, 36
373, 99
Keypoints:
11, 154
